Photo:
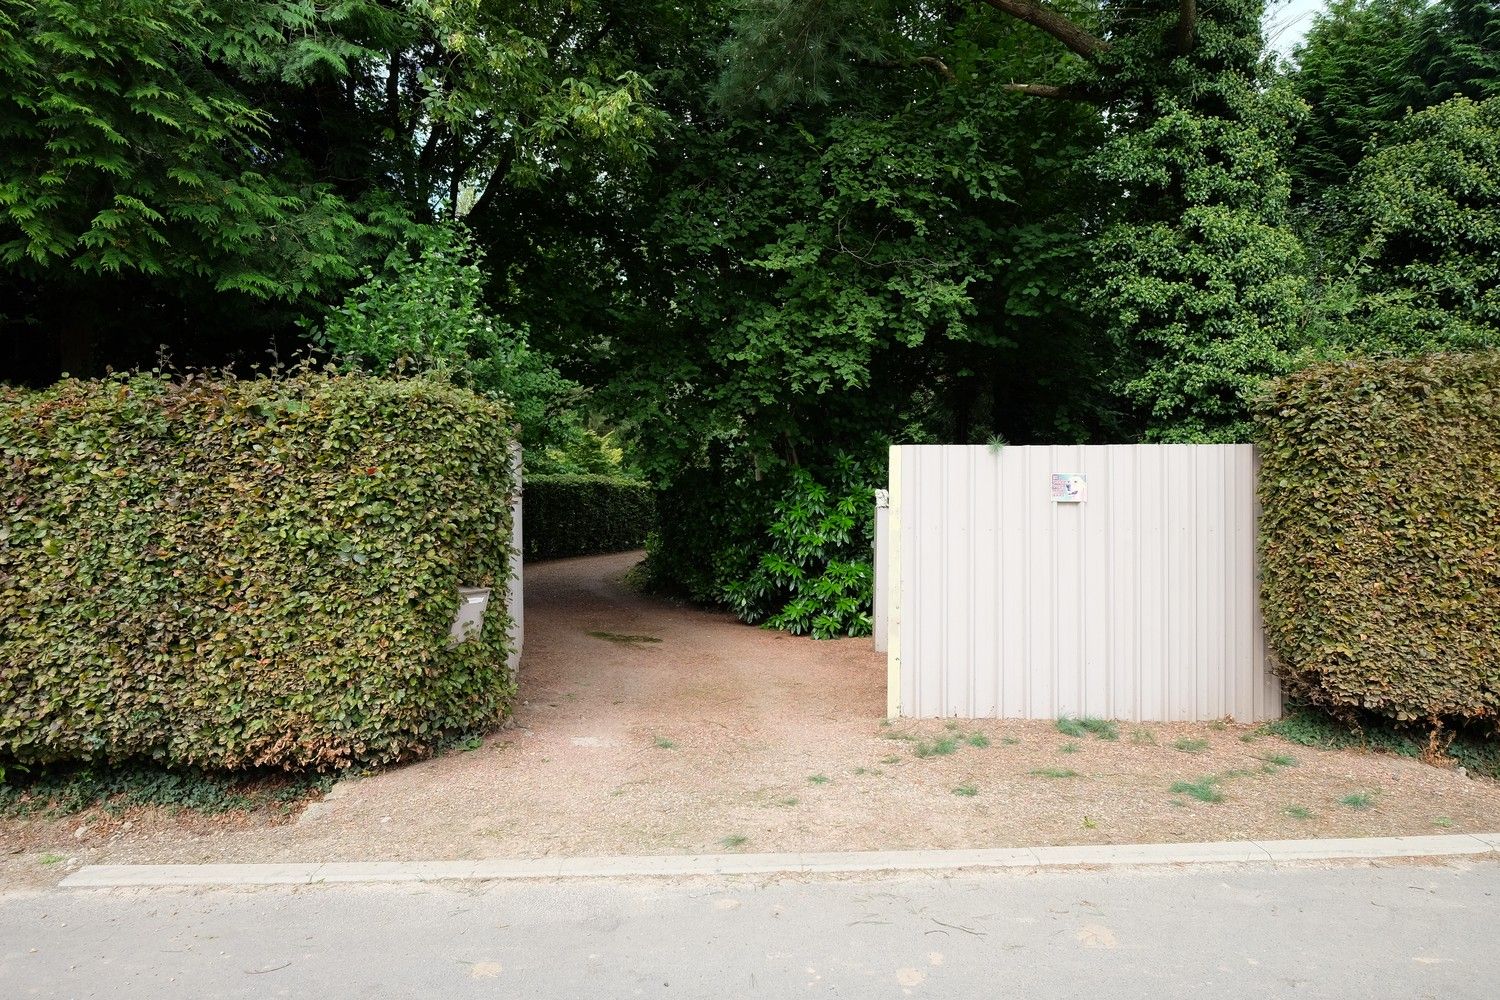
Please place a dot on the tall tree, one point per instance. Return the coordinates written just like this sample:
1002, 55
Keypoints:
165, 165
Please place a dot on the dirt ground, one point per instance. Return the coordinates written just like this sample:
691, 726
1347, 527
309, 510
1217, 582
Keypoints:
648, 728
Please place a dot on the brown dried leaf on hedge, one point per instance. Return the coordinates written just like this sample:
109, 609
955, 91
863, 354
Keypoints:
228, 574
1380, 535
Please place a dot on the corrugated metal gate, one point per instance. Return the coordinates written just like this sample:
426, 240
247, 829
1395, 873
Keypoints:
1116, 581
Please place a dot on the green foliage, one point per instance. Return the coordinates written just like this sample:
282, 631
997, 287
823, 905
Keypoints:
1472, 746
426, 313
237, 574
814, 575
1200, 279
199, 154
1380, 536
125, 152
1421, 231
1204, 789
1365, 63
1104, 729
585, 515
63, 789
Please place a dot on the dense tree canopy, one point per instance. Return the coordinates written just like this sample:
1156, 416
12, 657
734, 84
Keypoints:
758, 241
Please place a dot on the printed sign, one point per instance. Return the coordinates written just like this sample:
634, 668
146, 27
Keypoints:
1069, 487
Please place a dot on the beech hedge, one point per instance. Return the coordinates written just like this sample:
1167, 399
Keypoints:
1380, 536
570, 515
229, 574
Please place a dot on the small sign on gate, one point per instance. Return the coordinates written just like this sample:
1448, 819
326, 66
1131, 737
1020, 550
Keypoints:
1069, 487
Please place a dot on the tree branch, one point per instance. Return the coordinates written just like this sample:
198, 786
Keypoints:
931, 62
1186, 31
1050, 90
1086, 44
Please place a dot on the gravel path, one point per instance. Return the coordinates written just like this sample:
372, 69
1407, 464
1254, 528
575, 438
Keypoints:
650, 728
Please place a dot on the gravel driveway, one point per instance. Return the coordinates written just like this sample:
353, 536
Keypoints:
646, 727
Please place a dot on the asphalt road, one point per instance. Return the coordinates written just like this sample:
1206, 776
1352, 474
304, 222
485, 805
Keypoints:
1402, 931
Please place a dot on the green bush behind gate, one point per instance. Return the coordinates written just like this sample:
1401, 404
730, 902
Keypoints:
575, 515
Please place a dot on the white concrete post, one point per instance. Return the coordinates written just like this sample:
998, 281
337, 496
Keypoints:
882, 571
515, 597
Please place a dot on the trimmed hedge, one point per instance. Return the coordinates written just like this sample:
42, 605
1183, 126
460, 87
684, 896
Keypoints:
1380, 536
234, 574
585, 515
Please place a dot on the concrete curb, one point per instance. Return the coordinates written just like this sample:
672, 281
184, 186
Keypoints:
679, 866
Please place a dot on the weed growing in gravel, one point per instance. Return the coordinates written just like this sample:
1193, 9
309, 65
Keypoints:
940, 747
1442, 821
1358, 801
1069, 748
789, 801
1089, 824
1100, 728
1205, 789
1143, 737
1008, 741
1218, 725
1054, 772
1070, 727
968, 791
51, 859
1280, 760
735, 840
1189, 745
818, 779
891, 758
665, 744
1299, 812
978, 740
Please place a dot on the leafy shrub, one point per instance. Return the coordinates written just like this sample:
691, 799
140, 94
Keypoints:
234, 574
583, 515
1380, 536
815, 574
425, 312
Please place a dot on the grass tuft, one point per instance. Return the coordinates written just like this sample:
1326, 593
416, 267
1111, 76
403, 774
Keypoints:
1069, 748
818, 779
664, 744
968, 791
1280, 760
1204, 789
940, 747
1189, 745
1143, 737
735, 840
1299, 812
1358, 801
1054, 772
1099, 728
978, 740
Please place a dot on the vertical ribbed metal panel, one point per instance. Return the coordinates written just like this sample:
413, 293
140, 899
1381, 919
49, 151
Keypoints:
1138, 603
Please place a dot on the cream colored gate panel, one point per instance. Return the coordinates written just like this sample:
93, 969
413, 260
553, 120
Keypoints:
1136, 601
